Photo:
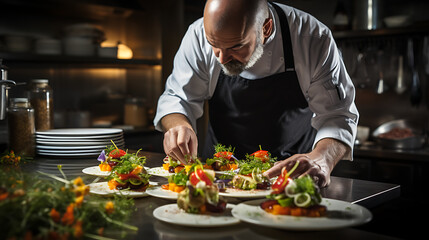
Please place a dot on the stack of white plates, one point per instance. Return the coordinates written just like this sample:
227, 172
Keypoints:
77, 142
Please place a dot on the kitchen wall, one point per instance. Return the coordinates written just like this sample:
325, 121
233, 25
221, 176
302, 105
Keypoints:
86, 84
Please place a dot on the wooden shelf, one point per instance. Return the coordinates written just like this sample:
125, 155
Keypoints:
34, 60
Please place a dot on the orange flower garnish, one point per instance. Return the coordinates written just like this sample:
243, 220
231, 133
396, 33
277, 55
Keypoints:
68, 217
78, 231
55, 215
110, 207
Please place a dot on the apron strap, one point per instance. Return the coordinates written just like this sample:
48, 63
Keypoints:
287, 43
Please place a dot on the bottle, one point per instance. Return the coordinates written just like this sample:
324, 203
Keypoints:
41, 98
21, 127
135, 113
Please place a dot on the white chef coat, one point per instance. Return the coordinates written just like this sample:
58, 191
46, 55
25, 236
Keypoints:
322, 75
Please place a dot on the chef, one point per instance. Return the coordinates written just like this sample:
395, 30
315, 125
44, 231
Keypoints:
273, 77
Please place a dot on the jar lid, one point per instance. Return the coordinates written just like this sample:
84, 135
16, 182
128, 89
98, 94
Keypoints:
19, 100
40, 80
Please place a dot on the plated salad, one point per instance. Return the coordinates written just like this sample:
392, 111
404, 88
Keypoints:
249, 176
176, 182
200, 195
223, 159
171, 165
110, 157
299, 197
130, 173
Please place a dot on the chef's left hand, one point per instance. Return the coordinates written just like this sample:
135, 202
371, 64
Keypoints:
318, 164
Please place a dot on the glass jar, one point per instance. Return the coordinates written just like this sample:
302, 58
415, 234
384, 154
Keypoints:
40, 95
21, 127
135, 113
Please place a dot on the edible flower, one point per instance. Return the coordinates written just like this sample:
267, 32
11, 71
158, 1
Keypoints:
55, 215
68, 217
110, 207
78, 231
102, 156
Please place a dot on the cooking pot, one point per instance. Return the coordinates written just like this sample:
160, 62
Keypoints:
413, 142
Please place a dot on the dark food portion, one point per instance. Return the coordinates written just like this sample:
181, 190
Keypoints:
397, 133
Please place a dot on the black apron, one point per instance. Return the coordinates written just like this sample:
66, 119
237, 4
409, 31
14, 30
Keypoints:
271, 112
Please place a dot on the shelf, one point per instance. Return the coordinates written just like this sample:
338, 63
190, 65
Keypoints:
400, 31
34, 60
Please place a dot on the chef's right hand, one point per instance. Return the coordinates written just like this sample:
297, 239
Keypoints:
180, 143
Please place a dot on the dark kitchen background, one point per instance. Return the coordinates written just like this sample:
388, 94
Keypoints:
84, 48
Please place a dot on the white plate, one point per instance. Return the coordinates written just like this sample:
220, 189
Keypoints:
161, 193
80, 132
82, 144
238, 193
69, 151
67, 154
73, 139
226, 172
81, 147
95, 171
172, 214
340, 214
101, 188
159, 171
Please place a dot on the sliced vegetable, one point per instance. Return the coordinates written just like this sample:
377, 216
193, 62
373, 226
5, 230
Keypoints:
302, 199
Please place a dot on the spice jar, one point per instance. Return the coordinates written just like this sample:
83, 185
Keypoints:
21, 127
135, 113
40, 95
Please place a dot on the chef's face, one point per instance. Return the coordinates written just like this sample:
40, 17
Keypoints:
236, 52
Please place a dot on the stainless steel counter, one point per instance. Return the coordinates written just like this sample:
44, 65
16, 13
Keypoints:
366, 193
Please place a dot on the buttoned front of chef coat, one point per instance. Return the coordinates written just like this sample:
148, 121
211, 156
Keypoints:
321, 73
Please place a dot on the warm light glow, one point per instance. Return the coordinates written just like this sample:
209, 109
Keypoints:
124, 52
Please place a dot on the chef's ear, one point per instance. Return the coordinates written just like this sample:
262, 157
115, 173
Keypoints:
267, 28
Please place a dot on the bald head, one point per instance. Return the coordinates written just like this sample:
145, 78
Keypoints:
236, 30
237, 16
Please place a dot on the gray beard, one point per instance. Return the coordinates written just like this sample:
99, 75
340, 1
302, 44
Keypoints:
234, 67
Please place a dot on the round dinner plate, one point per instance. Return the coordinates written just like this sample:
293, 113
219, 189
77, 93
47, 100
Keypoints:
159, 171
80, 132
79, 144
238, 193
69, 151
171, 213
82, 154
340, 215
80, 147
95, 171
101, 188
79, 139
161, 193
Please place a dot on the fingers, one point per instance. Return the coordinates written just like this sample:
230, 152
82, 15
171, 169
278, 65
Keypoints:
180, 143
306, 167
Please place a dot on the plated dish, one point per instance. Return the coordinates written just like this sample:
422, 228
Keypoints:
238, 193
159, 171
340, 214
95, 171
102, 189
161, 193
172, 214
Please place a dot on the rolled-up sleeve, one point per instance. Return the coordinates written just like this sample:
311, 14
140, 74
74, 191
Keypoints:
331, 94
187, 86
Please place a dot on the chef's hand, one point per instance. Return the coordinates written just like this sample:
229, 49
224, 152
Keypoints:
180, 140
318, 164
